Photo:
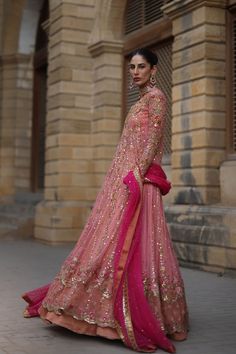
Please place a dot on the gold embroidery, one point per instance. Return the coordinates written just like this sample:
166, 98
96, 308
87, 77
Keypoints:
86, 277
127, 316
119, 330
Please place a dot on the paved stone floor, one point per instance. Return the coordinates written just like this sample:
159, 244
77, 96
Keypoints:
25, 264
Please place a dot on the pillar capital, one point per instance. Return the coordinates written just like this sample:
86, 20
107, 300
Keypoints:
177, 8
105, 46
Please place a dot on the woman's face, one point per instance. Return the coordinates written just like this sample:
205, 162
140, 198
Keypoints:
140, 70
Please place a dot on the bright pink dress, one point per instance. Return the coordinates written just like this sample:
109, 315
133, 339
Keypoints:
122, 278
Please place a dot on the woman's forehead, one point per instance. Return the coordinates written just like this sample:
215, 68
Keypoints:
138, 59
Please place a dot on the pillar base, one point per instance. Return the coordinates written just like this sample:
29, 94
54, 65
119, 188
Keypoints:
204, 236
60, 222
227, 182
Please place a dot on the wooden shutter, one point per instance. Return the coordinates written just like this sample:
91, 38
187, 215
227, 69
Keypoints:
152, 10
142, 12
164, 82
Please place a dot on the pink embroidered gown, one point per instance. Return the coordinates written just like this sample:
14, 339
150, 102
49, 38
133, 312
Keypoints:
81, 297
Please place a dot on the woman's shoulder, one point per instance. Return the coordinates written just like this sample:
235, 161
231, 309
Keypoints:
156, 93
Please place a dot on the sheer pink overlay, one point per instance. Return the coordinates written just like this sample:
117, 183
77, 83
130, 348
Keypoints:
89, 274
140, 329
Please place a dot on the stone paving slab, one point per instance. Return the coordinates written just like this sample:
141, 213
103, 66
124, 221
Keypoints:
26, 264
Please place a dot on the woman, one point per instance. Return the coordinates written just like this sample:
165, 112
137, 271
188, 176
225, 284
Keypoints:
122, 279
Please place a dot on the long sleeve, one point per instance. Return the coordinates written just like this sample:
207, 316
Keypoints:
156, 115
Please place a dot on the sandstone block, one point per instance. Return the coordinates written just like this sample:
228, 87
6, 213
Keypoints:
206, 32
61, 100
197, 17
71, 22
57, 153
199, 138
51, 141
81, 2
68, 87
197, 158
77, 193
50, 194
114, 59
68, 126
74, 139
69, 113
106, 125
101, 166
72, 61
197, 176
72, 36
107, 85
195, 195
104, 152
82, 75
197, 103
108, 71
106, 111
105, 138
105, 98
208, 86
227, 182
205, 68
55, 236
61, 74
83, 102
80, 11
197, 120
82, 152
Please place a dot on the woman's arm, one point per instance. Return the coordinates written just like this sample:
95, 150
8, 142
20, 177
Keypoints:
156, 117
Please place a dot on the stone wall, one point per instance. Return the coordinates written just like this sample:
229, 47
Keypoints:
16, 104
204, 236
198, 140
70, 186
84, 113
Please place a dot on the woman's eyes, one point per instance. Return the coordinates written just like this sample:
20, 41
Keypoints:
132, 67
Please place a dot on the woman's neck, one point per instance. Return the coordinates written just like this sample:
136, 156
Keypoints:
145, 89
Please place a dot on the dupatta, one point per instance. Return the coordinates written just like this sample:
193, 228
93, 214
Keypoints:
135, 321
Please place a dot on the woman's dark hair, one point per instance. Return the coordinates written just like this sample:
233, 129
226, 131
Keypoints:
147, 54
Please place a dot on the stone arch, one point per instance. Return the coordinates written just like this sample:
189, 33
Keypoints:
20, 26
108, 24
12, 23
19, 32
29, 23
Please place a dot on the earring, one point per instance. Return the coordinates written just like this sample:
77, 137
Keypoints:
153, 80
131, 84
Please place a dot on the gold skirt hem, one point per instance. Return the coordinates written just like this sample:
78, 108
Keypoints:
78, 326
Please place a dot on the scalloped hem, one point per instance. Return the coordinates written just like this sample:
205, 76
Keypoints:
77, 326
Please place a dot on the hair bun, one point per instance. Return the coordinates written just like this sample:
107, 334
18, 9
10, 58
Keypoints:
147, 54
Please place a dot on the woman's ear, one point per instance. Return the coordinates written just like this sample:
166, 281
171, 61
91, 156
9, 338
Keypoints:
154, 70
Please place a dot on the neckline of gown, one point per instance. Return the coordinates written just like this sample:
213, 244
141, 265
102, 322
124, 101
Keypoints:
143, 92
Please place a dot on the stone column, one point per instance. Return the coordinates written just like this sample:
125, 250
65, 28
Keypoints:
23, 123
8, 111
1, 25
198, 127
16, 102
69, 188
106, 124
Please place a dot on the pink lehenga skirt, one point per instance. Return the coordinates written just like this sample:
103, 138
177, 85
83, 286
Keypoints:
133, 289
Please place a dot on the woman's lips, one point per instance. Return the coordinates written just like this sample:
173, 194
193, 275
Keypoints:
136, 79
